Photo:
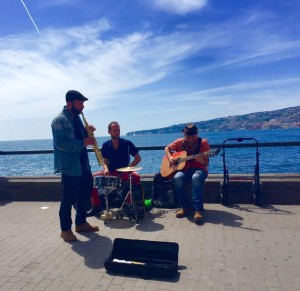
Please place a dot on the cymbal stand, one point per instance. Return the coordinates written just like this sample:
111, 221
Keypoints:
132, 213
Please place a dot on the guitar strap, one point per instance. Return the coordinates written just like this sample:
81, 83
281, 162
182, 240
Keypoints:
196, 149
198, 145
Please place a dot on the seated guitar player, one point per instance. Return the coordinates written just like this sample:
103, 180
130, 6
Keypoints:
195, 159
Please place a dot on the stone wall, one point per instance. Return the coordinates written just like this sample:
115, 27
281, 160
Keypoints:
276, 188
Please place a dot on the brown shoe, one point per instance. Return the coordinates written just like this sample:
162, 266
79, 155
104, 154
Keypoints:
198, 217
182, 213
68, 235
86, 227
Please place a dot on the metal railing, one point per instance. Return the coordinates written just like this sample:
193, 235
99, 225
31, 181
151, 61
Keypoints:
151, 148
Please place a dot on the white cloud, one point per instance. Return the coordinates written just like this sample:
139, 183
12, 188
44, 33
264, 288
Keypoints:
180, 6
135, 77
32, 67
46, 3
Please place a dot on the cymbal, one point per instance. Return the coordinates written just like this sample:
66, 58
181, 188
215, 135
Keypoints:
129, 169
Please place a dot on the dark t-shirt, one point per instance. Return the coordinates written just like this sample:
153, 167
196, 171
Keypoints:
119, 158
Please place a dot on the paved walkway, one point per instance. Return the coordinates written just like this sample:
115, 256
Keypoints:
240, 248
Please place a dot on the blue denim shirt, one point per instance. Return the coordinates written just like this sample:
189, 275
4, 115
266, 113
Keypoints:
66, 147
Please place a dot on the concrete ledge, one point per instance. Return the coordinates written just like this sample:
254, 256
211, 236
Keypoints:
30, 188
276, 188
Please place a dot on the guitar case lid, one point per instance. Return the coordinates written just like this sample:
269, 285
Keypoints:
143, 258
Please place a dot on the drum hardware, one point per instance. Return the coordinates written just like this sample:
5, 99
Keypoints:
107, 184
112, 183
108, 214
129, 198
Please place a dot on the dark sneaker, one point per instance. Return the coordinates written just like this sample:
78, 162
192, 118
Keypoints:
198, 217
86, 227
68, 235
182, 213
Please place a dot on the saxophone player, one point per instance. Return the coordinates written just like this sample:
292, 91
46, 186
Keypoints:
70, 139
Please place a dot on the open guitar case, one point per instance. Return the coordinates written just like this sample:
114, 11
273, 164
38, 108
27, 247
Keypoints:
143, 258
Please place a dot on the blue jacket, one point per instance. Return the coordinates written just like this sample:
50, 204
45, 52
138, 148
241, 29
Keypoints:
66, 147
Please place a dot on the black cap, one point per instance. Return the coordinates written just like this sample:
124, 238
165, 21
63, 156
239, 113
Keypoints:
75, 95
190, 129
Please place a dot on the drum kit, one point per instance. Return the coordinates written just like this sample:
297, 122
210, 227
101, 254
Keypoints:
109, 184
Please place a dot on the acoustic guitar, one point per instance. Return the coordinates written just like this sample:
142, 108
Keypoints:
166, 169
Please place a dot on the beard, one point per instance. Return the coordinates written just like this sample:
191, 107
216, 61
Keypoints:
75, 111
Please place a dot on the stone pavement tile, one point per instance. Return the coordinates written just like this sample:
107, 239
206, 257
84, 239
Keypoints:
128, 285
238, 248
19, 286
205, 282
43, 284
118, 280
27, 287
206, 270
204, 288
219, 286
103, 284
255, 286
24, 278
231, 283
257, 275
272, 281
138, 288
296, 280
287, 286
114, 287
283, 276
38, 278
193, 274
152, 285
244, 278
55, 272
7, 286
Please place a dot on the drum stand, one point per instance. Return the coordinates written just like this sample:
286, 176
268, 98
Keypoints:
108, 214
132, 212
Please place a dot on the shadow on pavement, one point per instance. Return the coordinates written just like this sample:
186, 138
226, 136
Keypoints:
94, 251
261, 210
3, 203
119, 223
148, 224
222, 217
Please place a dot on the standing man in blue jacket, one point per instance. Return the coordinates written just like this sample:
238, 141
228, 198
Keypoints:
70, 140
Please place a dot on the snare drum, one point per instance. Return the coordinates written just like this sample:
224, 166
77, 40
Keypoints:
107, 182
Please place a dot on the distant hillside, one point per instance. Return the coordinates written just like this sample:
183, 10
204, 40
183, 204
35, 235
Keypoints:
276, 119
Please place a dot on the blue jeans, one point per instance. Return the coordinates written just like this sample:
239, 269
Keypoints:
76, 191
198, 177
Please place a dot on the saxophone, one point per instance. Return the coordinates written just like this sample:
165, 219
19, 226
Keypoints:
95, 146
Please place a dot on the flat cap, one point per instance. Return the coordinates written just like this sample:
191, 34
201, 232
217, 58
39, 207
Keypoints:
75, 95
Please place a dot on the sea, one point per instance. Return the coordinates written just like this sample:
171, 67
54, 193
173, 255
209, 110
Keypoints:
235, 160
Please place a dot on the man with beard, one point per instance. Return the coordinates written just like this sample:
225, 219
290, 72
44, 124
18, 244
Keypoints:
195, 170
70, 140
116, 154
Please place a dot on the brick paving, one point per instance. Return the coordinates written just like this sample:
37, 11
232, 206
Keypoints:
238, 248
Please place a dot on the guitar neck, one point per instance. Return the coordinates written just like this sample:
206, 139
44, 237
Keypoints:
192, 157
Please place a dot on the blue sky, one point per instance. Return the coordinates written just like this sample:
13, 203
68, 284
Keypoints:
147, 64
